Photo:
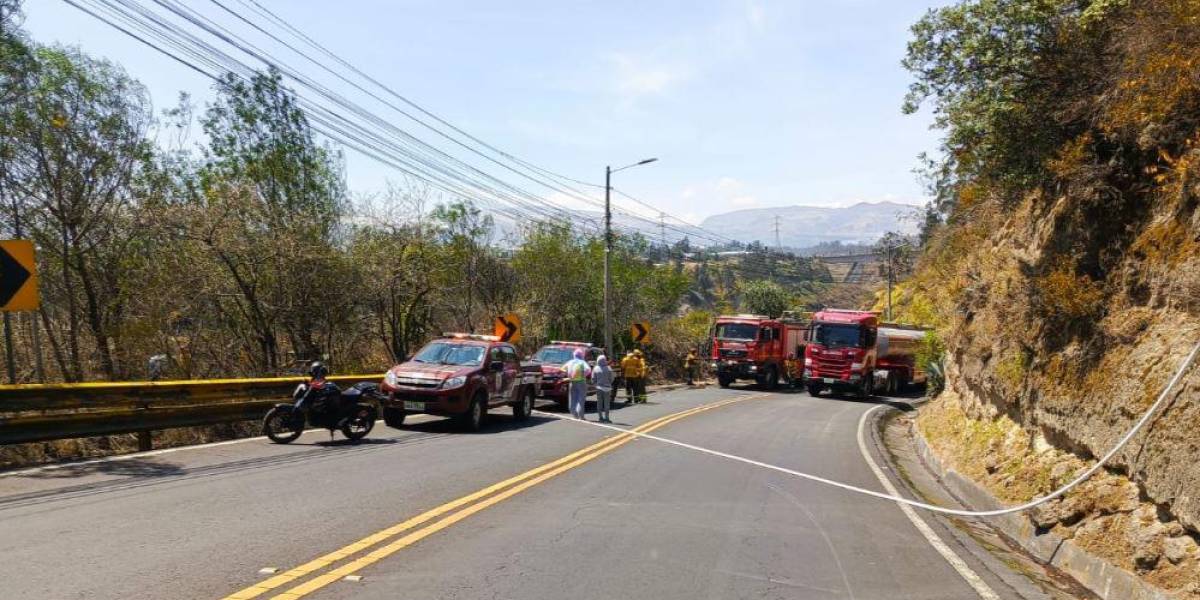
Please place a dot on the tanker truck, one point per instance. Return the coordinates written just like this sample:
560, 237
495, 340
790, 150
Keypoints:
896, 366
851, 351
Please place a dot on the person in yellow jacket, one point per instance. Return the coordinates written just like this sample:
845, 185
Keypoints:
631, 372
639, 392
690, 363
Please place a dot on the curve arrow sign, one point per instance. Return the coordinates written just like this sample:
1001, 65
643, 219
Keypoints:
640, 332
18, 276
508, 328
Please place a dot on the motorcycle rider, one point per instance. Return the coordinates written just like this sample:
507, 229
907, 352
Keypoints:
317, 372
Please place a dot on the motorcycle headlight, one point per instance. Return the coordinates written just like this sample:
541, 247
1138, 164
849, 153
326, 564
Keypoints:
454, 382
390, 378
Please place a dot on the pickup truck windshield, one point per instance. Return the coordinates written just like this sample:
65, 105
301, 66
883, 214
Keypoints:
836, 336
736, 331
445, 353
553, 356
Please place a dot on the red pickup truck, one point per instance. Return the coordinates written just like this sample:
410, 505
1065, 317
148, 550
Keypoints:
461, 376
551, 359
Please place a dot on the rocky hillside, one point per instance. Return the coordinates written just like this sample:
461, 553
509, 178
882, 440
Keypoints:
801, 226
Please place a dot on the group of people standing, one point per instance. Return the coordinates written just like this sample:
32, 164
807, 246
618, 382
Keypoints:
579, 372
633, 369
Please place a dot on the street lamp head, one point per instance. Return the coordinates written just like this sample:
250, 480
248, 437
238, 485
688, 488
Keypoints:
647, 161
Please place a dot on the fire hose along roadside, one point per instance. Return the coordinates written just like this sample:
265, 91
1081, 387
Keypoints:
1162, 397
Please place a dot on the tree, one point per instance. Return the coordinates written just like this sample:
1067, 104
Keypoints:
765, 298
269, 202
75, 147
997, 72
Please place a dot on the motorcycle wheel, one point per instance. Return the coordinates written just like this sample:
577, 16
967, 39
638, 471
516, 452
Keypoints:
360, 424
282, 425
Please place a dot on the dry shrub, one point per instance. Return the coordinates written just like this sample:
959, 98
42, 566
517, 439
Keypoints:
1063, 294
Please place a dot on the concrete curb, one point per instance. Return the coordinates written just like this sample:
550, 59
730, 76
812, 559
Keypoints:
1102, 577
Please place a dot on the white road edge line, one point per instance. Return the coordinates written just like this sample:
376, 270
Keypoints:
955, 561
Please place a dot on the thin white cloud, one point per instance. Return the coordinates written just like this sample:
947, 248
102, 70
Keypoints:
744, 201
755, 16
634, 77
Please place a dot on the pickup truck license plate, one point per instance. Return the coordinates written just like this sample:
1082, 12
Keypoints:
410, 405
825, 379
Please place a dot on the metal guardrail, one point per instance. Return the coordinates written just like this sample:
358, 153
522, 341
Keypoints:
44, 412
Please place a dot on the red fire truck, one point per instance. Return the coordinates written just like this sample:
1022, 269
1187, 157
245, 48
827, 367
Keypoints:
840, 355
756, 347
851, 351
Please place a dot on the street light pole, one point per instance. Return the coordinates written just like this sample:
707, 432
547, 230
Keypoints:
608, 347
608, 249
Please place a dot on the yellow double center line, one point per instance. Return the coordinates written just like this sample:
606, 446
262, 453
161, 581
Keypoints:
510, 487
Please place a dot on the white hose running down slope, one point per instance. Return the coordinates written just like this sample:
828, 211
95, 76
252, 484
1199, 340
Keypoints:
1162, 397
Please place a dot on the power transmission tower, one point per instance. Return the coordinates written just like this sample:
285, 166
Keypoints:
778, 246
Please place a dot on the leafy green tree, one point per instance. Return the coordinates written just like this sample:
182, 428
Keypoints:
765, 298
997, 71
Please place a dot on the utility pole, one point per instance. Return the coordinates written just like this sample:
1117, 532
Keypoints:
608, 249
889, 282
608, 244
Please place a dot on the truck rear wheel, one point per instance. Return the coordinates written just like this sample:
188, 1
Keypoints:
523, 407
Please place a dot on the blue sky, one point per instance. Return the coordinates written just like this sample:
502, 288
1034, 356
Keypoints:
746, 103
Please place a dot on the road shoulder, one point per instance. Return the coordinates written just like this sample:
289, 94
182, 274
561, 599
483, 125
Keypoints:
997, 560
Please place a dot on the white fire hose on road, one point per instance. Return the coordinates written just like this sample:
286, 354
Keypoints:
1162, 398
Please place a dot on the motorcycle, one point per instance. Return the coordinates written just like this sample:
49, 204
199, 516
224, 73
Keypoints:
322, 403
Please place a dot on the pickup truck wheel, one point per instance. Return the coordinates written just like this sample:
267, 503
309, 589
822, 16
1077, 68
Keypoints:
724, 380
523, 407
476, 413
393, 417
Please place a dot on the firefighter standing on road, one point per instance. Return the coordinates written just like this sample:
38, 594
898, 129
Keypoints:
689, 366
629, 370
639, 390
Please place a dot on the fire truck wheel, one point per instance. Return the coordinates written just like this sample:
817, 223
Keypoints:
866, 389
814, 390
771, 378
724, 380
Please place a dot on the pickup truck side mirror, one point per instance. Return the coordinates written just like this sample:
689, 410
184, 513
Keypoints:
496, 365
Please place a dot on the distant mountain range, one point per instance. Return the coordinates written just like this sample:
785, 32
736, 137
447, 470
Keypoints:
802, 226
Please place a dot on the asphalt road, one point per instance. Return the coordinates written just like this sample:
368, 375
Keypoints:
631, 519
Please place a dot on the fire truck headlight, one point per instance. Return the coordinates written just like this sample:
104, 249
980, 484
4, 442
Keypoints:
808, 362
856, 366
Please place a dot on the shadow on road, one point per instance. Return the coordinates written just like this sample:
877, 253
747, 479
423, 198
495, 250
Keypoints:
133, 467
496, 422
901, 401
